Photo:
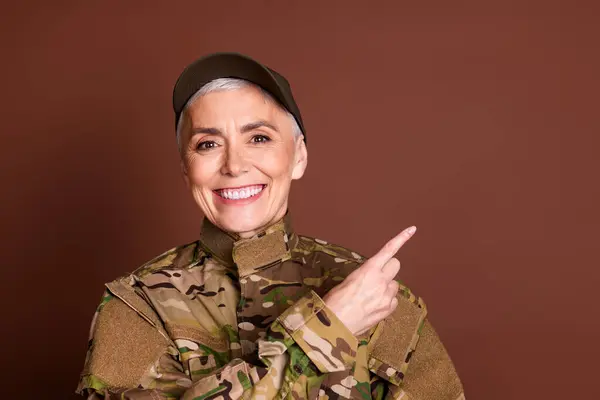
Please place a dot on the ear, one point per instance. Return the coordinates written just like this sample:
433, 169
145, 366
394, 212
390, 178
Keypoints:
300, 158
182, 140
184, 173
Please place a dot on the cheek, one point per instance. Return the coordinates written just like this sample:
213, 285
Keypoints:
200, 171
276, 164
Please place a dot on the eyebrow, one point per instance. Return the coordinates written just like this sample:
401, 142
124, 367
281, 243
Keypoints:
210, 131
245, 128
258, 124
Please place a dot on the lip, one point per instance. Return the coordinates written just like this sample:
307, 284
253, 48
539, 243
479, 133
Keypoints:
239, 202
241, 187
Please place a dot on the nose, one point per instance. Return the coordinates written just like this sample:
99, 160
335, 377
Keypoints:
235, 162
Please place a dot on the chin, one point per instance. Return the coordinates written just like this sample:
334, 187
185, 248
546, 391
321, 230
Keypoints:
239, 224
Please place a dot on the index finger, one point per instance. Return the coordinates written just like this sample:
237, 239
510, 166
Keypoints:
390, 249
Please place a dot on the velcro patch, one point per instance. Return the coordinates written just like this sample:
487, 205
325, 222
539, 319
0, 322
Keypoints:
251, 254
396, 341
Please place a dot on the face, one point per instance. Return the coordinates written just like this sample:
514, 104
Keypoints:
239, 157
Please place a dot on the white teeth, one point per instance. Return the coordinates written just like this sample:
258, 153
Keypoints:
241, 193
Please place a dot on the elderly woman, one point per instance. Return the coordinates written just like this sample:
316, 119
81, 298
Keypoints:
252, 310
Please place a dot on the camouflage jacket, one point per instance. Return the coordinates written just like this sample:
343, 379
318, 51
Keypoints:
229, 318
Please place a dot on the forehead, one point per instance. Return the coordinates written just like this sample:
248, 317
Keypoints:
244, 103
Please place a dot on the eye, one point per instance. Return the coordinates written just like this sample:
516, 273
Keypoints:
260, 139
206, 145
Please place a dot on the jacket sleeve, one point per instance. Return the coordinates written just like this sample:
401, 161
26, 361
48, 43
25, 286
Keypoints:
309, 324
406, 352
131, 356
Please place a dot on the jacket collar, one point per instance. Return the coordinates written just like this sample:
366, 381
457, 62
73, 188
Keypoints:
268, 247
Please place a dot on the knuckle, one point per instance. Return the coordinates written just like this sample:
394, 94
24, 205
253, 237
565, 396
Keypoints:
388, 245
388, 248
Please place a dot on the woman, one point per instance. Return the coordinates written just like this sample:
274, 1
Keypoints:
251, 309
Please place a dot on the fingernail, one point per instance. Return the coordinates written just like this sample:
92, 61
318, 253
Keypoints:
411, 231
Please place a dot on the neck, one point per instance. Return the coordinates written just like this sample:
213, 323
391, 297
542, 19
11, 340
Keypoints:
278, 217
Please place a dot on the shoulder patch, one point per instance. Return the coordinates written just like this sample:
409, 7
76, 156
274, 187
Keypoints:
432, 363
124, 346
395, 339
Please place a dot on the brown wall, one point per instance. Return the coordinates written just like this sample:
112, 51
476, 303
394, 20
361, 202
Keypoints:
479, 125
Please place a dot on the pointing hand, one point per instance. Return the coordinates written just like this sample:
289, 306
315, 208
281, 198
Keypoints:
368, 294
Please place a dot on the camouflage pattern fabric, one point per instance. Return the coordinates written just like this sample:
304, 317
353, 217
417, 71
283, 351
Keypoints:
225, 318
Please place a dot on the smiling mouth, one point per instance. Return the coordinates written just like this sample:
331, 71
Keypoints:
240, 193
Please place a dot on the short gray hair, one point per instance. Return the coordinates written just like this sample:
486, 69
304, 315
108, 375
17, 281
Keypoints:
224, 84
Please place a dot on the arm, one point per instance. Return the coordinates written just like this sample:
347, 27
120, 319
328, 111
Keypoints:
315, 329
132, 357
408, 354
431, 363
404, 350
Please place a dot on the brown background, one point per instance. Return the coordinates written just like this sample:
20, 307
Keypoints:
477, 124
